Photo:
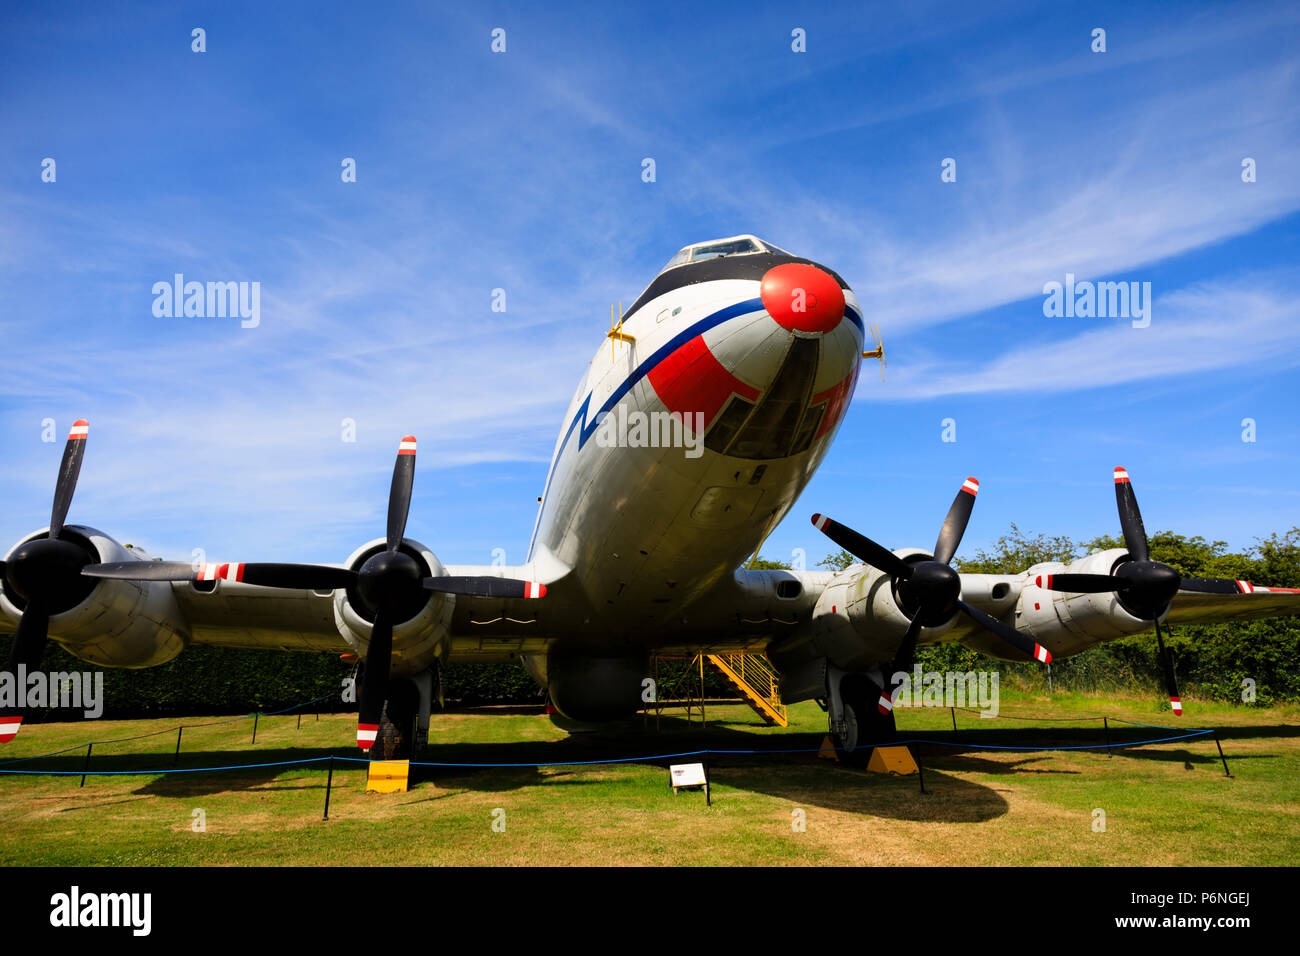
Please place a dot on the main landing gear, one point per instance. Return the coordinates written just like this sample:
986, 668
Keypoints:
855, 719
404, 723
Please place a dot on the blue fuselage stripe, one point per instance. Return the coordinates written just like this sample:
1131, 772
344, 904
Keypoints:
640, 372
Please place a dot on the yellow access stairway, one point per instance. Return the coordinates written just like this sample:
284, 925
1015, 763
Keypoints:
756, 680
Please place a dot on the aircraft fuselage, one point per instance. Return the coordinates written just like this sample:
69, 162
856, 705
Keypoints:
688, 440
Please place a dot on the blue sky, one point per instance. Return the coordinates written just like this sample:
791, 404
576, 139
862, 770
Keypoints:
522, 171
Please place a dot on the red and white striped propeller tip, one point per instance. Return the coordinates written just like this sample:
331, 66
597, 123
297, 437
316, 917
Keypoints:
1121, 474
971, 486
80, 429
230, 571
407, 446
366, 734
1177, 705
534, 589
9, 727
1042, 654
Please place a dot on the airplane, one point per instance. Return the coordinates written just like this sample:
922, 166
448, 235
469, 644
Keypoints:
744, 358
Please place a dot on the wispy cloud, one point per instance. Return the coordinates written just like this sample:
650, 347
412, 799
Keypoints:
1250, 321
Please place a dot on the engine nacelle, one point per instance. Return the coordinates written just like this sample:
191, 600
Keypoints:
113, 623
596, 684
1069, 623
425, 629
858, 622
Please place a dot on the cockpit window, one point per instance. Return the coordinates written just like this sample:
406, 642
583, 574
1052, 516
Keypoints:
736, 245
678, 259
729, 248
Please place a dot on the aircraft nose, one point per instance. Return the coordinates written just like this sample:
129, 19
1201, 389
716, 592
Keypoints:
802, 298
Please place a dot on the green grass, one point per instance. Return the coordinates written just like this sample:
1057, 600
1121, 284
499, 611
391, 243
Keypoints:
1164, 804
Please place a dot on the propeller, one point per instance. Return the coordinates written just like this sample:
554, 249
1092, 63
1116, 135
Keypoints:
45, 573
387, 582
930, 591
1144, 586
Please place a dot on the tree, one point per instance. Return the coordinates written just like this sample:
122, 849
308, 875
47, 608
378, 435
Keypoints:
1016, 551
837, 561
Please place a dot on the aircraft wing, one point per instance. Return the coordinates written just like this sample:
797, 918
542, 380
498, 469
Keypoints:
1249, 603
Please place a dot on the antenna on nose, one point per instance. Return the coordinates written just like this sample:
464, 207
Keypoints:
879, 351
616, 333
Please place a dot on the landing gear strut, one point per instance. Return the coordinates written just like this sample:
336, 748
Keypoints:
404, 724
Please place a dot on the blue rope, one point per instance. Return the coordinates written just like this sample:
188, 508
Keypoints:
612, 760
157, 733
130, 773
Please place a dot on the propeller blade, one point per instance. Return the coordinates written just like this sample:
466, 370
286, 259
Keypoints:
25, 652
902, 662
1080, 583
399, 495
1130, 519
486, 586
954, 526
374, 689
1171, 680
1212, 586
68, 472
1009, 634
863, 548
145, 571
316, 577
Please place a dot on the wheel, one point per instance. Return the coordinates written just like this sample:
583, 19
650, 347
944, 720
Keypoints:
395, 740
863, 722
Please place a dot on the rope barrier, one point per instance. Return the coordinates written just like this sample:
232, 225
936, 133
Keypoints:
160, 771
982, 713
615, 760
166, 730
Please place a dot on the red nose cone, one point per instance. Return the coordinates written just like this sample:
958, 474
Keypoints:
802, 298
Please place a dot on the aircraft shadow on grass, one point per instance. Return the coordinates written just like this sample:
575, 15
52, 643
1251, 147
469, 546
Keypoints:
801, 776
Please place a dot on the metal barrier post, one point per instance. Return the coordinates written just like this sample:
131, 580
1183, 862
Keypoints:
703, 722
1105, 729
177, 756
1221, 756
86, 766
329, 784
255, 716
